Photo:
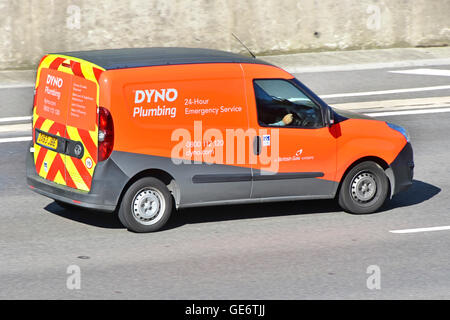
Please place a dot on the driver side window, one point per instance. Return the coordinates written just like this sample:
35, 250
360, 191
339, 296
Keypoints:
280, 103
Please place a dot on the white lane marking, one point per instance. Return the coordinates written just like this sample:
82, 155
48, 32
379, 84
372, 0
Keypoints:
15, 127
16, 85
425, 72
406, 112
421, 229
364, 66
12, 119
373, 93
397, 104
15, 139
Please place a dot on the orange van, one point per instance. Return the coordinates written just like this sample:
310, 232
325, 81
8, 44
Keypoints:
144, 131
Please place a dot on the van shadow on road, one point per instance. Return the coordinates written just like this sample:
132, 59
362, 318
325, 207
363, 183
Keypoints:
86, 216
419, 192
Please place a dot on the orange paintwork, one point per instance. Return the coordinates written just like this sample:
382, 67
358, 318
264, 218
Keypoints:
199, 87
229, 85
317, 145
359, 138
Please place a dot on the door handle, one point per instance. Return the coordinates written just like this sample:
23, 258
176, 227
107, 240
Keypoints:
257, 145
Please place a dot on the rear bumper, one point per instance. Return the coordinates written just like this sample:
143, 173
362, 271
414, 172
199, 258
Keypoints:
403, 169
104, 195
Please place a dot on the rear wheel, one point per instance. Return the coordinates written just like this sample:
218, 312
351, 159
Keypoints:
364, 189
146, 205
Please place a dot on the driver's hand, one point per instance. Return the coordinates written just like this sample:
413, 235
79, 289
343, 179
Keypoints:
287, 119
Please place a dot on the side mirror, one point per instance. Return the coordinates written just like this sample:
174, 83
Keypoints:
329, 118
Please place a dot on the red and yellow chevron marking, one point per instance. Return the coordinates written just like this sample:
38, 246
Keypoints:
57, 167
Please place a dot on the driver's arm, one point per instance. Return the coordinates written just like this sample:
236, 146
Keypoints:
287, 120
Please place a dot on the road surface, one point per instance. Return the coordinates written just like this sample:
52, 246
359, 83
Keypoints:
293, 250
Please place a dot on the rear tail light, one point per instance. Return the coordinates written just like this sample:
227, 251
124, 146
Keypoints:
105, 134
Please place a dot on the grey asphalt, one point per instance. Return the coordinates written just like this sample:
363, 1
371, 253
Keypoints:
293, 250
16, 102
325, 83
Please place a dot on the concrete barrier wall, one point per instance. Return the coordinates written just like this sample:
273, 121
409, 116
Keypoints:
30, 28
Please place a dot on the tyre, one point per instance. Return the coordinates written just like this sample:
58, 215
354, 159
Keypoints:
146, 206
364, 189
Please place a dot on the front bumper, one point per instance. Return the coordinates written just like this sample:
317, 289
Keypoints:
403, 169
107, 184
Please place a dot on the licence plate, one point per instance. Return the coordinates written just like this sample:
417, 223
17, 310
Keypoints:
47, 141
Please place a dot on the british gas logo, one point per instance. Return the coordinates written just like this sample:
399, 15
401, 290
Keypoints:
152, 103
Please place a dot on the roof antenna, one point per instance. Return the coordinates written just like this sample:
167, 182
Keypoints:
251, 53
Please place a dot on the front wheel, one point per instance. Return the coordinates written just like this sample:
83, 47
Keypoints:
364, 189
146, 205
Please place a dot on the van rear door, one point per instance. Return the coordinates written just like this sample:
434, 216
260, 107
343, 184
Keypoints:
65, 121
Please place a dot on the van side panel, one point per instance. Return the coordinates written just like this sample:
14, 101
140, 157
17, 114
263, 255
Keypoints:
337, 147
66, 103
176, 119
306, 156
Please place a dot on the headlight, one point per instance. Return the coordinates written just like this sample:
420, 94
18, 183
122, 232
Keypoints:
399, 129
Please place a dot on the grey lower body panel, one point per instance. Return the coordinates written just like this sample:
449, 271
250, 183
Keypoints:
210, 184
256, 200
302, 184
189, 191
214, 184
107, 183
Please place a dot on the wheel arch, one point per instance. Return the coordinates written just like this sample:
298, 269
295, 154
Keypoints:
159, 174
381, 162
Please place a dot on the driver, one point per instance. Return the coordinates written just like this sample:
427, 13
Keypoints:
287, 120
